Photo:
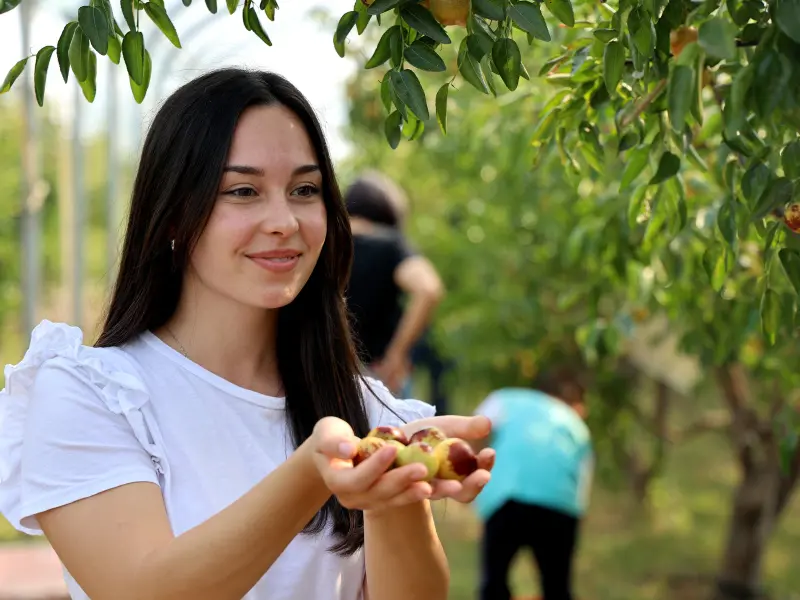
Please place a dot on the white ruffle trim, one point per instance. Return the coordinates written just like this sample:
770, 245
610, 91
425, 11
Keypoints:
122, 391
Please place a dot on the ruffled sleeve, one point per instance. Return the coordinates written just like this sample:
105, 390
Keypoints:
384, 409
71, 425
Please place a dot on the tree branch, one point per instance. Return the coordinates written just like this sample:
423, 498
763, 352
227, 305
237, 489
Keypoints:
710, 422
788, 483
642, 106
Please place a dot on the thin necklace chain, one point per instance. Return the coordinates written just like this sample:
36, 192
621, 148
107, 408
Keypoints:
177, 341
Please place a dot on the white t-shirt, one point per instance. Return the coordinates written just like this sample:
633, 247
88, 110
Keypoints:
77, 420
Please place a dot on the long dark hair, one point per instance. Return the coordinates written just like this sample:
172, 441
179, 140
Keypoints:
174, 193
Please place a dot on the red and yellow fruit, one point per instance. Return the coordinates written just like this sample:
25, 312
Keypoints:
449, 12
456, 459
792, 217
386, 432
432, 436
680, 38
418, 452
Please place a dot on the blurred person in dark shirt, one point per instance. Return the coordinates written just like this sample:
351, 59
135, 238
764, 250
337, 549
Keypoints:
393, 290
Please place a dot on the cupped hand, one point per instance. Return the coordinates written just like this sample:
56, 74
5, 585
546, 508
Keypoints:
368, 486
468, 429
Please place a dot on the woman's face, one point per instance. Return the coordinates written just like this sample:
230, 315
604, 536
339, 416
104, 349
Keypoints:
269, 223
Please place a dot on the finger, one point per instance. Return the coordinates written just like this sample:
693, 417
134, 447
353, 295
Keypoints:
336, 438
397, 481
486, 459
417, 492
466, 428
445, 488
472, 486
361, 478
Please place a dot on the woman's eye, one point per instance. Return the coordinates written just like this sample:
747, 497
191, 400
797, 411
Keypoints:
306, 191
242, 193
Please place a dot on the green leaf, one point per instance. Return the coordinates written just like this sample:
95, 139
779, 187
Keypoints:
159, 16
606, 35
420, 18
62, 51
232, 6
754, 181
637, 161
528, 17
79, 51
508, 60
114, 49
396, 49
422, 56
89, 84
94, 24
127, 12
717, 37
613, 65
40, 72
726, 221
635, 205
668, 166
642, 31
777, 195
386, 93
441, 107
255, 25
383, 49
392, 129
479, 44
491, 9
734, 112
790, 260
773, 71
211, 5
628, 141
770, 315
716, 263
679, 96
13, 75
140, 90
363, 17
187, 2
561, 10
343, 29
381, 6
408, 88
790, 160
787, 16
133, 52
471, 69
8, 5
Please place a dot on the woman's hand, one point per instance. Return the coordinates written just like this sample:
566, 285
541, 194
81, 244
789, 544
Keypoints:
469, 429
369, 486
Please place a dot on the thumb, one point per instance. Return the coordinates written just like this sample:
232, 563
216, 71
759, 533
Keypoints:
335, 438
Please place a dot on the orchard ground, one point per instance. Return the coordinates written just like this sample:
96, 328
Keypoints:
670, 553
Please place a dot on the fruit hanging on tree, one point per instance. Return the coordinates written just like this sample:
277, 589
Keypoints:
449, 12
680, 38
792, 217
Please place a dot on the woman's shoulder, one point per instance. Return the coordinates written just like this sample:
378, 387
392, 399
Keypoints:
57, 354
383, 408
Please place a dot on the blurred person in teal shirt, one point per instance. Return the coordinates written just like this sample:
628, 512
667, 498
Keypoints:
539, 491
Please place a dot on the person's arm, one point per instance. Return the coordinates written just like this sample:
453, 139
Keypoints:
418, 278
403, 555
119, 545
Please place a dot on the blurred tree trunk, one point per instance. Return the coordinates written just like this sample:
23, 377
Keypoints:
763, 492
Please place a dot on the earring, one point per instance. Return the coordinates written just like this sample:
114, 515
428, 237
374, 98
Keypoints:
172, 245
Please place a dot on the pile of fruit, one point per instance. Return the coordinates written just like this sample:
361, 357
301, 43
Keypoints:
444, 457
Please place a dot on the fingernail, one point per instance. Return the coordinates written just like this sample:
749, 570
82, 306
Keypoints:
346, 449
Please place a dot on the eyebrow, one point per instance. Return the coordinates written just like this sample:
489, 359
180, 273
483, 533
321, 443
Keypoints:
248, 170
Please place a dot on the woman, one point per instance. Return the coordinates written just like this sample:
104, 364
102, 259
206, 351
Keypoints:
202, 448
393, 291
